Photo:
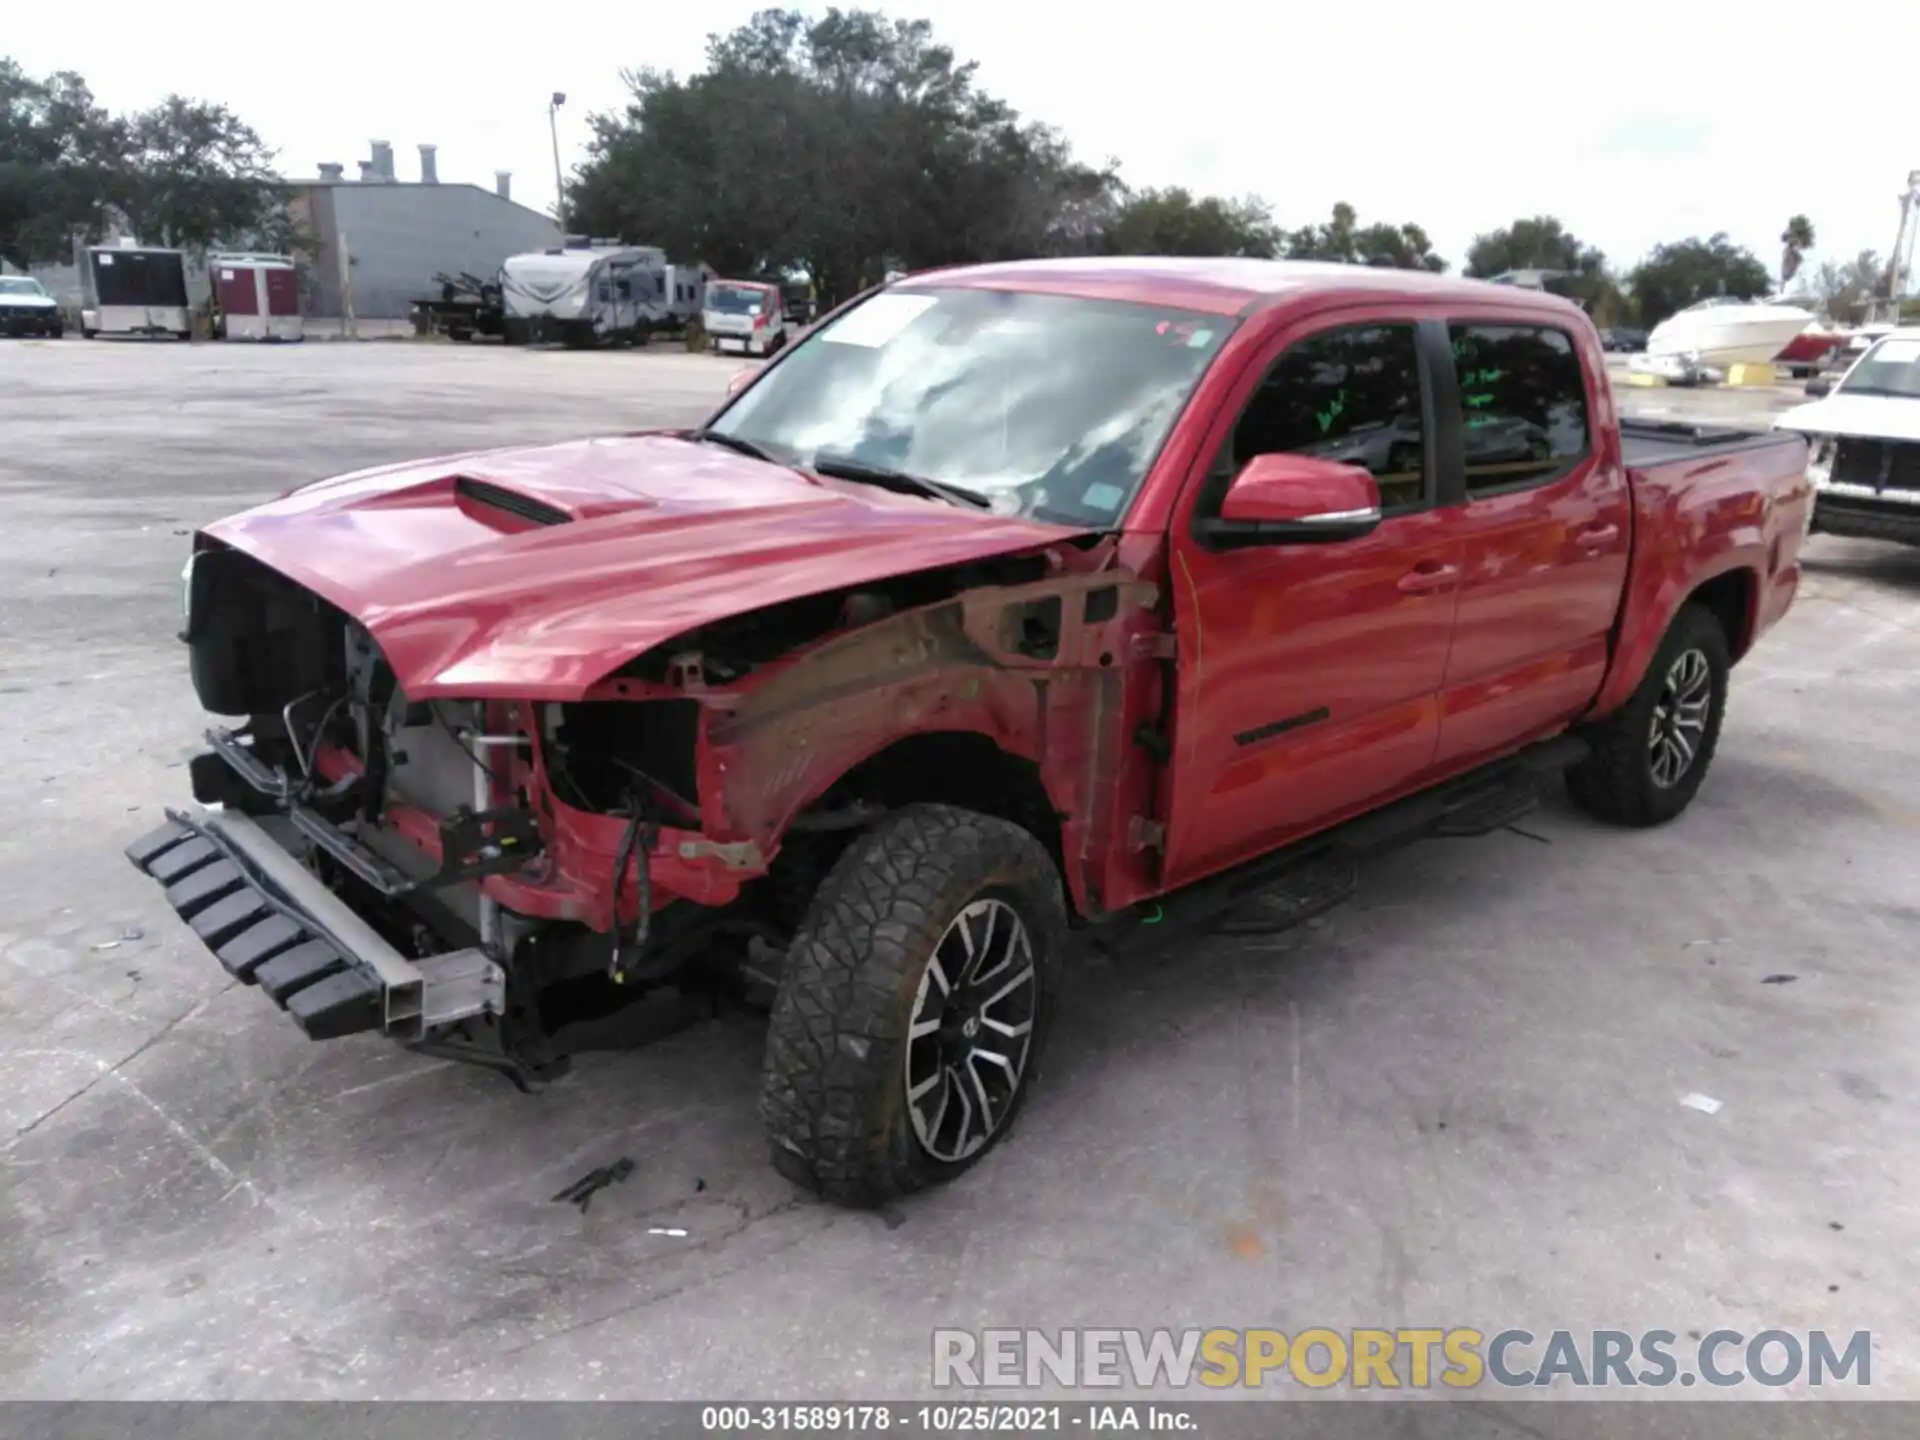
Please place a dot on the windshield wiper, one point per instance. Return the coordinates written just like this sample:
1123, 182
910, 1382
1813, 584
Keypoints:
841, 468
732, 442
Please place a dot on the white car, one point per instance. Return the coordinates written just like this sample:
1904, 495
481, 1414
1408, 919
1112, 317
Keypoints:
27, 309
1864, 443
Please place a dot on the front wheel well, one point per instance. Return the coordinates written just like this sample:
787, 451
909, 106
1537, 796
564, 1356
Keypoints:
963, 769
1729, 598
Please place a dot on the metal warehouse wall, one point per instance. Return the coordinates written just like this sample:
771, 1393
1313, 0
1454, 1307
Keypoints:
399, 234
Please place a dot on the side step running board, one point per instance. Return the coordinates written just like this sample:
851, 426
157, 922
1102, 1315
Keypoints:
1302, 881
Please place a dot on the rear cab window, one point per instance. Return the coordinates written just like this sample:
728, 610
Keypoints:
1523, 405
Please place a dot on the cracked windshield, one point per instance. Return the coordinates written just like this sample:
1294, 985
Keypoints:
1046, 406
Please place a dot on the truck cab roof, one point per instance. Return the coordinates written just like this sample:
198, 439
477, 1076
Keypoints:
1230, 285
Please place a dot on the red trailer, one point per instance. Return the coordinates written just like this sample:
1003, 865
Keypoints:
256, 297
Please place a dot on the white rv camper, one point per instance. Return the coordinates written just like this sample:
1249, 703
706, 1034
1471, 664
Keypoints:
585, 295
686, 292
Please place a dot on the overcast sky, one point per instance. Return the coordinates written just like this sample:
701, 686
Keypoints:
1634, 123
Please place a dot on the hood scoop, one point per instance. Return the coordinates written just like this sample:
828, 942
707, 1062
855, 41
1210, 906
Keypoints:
484, 494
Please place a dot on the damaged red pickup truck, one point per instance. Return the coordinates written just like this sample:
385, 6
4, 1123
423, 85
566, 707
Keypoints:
1013, 605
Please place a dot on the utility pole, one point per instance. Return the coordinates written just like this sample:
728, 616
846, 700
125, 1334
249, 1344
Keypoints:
349, 327
1900, 268
559, 182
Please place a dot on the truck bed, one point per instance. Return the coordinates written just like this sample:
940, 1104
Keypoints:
1645, 444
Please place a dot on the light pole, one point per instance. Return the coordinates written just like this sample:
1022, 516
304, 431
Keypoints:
559, 184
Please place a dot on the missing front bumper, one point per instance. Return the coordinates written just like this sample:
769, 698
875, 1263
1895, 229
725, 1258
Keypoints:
271, 922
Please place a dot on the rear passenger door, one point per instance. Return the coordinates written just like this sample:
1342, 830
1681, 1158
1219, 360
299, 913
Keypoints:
1539, 499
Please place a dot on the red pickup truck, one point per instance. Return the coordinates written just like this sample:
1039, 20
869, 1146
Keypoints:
1014, 606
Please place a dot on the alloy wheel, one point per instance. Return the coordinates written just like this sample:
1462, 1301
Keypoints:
1680, 718
970, 1030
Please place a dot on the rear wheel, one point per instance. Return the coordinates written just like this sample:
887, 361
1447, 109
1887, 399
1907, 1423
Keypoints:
1650, 756
913, 1005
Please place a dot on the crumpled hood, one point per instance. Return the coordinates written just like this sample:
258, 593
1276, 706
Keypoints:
469, 596
1871, 417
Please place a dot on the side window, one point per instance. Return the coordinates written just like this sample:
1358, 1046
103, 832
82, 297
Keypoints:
1351, 395
1523, 400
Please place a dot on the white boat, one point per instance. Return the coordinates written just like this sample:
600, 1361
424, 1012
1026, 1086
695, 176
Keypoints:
1724, 331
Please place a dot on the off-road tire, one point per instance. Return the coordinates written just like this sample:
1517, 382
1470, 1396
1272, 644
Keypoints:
1616, 782
833, 1099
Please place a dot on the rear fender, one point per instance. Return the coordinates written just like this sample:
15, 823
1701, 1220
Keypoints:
1646, 618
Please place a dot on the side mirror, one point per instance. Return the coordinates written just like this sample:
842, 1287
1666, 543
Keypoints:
739, 381
1294, 500
1819, 385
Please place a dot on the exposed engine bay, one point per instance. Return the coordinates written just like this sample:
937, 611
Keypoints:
585, 855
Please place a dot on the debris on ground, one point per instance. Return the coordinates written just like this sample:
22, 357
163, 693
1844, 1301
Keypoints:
1779, 979
582, 1191
1705, 1104
1718, 940
672, 1230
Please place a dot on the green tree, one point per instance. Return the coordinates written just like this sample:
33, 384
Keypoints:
846, 144
1343, 239
62, 160
1796, 240
1403, 247
1686, 272
1848, 291
185, 172
1541, 242
1334, 240
1174, 222
196, 175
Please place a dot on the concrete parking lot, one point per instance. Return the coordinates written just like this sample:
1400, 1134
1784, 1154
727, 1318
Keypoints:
1456, 1102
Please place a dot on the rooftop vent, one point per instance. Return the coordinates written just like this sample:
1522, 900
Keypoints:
429, 171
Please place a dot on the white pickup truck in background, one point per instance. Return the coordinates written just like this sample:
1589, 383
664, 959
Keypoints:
1863, 434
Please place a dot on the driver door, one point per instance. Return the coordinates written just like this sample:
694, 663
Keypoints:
1310, 673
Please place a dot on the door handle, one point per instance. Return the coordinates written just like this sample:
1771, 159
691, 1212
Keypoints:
1599, 535
1429, 576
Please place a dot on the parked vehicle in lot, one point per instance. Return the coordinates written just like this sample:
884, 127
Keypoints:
1811, 350
133, 290
256, 297
797, 298
1724, 331
1623, 341
1012, 604
585, 295
744, 316
466, 306
27, 309
1864, 434
686, 294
